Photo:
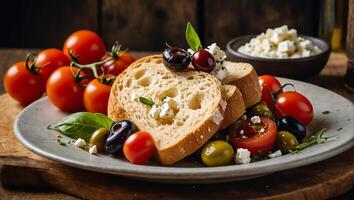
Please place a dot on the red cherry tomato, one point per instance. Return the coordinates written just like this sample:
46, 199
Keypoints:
296, 105
139, 147
118, 65
272, 84
51, 59
63, 90
87, 45
257, 138
96, 96
23, 85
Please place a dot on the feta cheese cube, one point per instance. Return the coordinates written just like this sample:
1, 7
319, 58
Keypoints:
93, 150
286, 46
275, 154
306, 53
219, 55
80, 143
256, 119
166, 112
243, 156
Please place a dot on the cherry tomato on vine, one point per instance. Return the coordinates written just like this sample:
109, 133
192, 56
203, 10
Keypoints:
87, 45
96, 96
64, 91
50, 60
139, 147
272, 84
256, 138
23, 85
119, 64
294, 104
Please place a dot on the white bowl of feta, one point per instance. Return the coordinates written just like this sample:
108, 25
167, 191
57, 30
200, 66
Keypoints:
281, 52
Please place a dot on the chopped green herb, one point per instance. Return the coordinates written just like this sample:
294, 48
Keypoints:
339, 129
326, 112
61, 143
146, 101
317, 138
59, 136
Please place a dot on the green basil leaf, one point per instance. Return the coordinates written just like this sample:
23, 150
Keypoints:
192, 38
82, 125
146, 101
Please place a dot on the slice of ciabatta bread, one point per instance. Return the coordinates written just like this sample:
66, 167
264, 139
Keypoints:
235, 106
245, 78
198, 113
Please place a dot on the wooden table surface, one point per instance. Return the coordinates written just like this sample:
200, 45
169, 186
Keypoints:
329, 78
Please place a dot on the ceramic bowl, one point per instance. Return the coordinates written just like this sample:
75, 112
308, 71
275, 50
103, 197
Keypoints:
298, 68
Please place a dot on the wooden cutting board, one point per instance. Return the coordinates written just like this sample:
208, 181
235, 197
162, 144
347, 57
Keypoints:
22, 168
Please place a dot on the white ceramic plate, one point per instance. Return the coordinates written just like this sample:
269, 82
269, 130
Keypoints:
30, 129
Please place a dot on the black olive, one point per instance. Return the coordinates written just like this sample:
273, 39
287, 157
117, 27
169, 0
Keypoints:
118, 133
176, 59
290, 124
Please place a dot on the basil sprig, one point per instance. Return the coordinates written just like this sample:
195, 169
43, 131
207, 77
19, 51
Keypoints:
192, 38
81, 125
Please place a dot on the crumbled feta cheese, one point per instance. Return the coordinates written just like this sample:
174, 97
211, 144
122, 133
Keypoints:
286, 46
220, 72
154, 111
279, 43
255, 119
219, 55
223, 104
242, 132
80, 143
166, 111
133, 97
93, 150
275, 154
217, 117
243, 156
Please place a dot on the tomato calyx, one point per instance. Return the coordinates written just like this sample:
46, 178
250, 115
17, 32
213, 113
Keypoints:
116, 51
104, 79
30, 63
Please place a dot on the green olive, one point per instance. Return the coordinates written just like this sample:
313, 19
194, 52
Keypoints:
99, 137
286, 141
217, 153
262, 110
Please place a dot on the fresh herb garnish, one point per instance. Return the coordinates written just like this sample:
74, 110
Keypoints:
61, 143
326, 112
339, 129
192, 38
317, 138
146, 101
81, 125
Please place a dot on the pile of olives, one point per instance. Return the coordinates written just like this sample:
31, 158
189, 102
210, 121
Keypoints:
178, 59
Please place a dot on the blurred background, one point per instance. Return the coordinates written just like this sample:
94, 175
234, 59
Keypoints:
147, 24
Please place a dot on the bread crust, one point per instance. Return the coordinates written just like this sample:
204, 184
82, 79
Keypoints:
249, 88
235, 107
184, 147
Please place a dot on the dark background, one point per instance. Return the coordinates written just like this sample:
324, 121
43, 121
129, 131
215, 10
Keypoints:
147, 24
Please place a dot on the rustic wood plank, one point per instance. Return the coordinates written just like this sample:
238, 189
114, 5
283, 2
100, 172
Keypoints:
226, 19
147, 25
42, 24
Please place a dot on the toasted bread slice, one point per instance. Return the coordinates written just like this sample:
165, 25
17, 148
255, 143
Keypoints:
235, 106
198, 113
245, 78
